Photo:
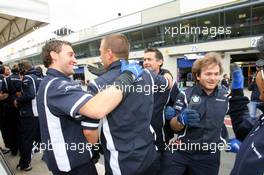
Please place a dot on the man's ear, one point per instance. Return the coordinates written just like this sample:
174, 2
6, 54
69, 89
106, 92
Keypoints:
53, 55
197, 76
160, 62
110, 54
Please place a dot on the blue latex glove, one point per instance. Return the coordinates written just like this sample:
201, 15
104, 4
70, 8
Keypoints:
189, 117
234, 145
134, 68
170, 112
237, 77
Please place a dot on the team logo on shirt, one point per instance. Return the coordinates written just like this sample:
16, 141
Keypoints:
196, 99
62, 84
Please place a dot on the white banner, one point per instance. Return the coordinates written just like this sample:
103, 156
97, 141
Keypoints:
187, 6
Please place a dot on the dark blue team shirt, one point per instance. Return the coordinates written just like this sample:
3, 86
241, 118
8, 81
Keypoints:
158, 118
27, 101
14, 84
212, 109
127, 137
59, 99
1, 82
250, 158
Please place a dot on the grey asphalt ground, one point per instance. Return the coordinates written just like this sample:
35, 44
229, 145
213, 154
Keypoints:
40, 168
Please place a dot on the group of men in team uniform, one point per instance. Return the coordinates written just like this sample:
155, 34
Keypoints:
19, 119
134, 128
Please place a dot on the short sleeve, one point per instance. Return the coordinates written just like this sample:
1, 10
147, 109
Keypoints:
66, 98
92, 88
88, 123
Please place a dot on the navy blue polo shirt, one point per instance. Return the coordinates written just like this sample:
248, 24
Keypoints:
59, 100
161, 96
2, 87
14, 85
1, 82
127, 137
250, 158
168, 132
27, 102
16, 81
212, 109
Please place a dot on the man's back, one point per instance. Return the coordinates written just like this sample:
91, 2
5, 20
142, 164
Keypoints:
27, 101
126, 136
14, 86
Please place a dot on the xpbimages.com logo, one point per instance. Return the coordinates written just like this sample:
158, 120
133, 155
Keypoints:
138, 88
173, 31
177, 145
80, 147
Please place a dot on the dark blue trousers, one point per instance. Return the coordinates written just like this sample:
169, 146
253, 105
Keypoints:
29, 131
196, 163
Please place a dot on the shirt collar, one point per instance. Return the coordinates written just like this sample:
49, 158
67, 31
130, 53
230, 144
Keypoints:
30, 71
114, 65
56, 73
202, 92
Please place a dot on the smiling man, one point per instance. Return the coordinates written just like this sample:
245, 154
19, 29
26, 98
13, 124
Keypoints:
64, 108
197, 116
153, 61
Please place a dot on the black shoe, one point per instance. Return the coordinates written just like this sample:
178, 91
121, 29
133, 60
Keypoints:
5, 151
28, 168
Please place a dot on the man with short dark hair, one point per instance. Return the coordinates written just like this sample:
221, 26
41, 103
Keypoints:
28, 112
13, 86
225, 82
68, 115
153, 61
3, 97
126, 135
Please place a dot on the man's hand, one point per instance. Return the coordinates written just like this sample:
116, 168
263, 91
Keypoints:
234, 145
237, 77
189, 117
130, 73
91, 136
133, 68
168, 76
170, 112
